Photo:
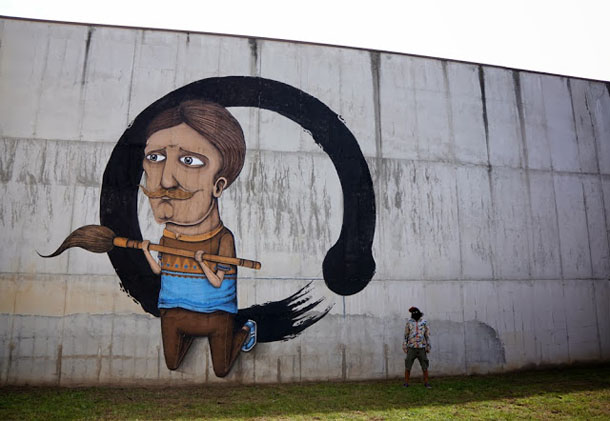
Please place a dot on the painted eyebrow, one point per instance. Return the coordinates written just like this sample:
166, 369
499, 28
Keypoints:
204, 158
161, 150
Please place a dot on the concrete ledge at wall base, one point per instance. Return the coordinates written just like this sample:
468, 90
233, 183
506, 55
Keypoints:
83, 349
477, 327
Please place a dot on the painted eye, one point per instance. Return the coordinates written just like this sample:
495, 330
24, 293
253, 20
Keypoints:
191, 161
155, 157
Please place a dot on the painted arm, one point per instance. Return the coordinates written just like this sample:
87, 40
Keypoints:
427, 336
215, 278
226, 248
154, 266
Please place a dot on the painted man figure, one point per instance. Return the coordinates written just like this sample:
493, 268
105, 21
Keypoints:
193, 152
416, 344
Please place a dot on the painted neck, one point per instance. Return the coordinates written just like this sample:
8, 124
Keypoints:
209, 222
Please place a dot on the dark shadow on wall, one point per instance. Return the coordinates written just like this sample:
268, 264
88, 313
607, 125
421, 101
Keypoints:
483, 349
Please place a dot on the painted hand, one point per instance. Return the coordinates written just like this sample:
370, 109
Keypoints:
154, 266
214, 277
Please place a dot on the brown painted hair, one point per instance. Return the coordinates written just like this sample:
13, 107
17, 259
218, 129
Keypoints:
216, 124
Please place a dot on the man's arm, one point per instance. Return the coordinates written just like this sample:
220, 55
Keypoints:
404, 342
215, 278
427, 336
227, 249
154, 266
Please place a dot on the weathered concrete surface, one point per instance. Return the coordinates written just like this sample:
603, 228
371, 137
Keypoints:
492, 190
478, 327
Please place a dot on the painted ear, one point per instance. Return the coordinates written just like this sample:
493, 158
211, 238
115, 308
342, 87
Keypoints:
219, 186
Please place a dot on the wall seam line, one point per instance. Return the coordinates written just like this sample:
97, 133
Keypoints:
491, 216
521, 114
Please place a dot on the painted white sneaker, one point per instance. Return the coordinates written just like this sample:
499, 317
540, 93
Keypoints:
251, 339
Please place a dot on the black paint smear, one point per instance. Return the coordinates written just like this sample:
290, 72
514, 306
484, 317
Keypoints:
348, 266
282, 320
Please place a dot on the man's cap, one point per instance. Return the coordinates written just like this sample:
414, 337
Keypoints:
414, 310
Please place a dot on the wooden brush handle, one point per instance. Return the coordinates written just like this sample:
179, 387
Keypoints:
134, 244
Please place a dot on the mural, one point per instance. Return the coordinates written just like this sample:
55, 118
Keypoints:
191, 149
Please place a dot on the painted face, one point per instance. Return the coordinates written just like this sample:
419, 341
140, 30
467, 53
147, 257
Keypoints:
181, 167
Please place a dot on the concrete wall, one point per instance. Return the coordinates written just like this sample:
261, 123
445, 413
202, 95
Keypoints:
492, 190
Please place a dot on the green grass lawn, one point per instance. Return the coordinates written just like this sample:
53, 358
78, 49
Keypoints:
571, 393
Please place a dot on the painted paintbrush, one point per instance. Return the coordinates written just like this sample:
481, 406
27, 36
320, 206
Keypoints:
101, 239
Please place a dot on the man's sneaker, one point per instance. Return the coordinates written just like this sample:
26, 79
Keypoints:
251, 339
405, 385
427, 386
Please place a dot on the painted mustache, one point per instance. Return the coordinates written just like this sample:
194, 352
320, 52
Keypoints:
174, 193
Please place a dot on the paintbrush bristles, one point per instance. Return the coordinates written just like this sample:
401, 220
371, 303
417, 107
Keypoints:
94, 238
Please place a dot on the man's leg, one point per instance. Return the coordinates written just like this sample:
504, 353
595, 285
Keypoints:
224, 344
175, 343
424, 366
409, 364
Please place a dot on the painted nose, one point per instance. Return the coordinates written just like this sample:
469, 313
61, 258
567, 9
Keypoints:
168, 177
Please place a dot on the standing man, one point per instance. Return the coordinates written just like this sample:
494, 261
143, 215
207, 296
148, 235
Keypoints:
194, 151
416, 344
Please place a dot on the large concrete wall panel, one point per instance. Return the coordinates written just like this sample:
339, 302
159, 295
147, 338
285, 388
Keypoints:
597, 103
22, 61
544, 238
474, 213
529, 90
601, 296
398, 202
342, 79
439, 222
492, 194
200, 56
21, 212
429, 82
511, 224
154, 71
61, 84
559, 116
398, 119
466, 114
505, 143
291, 202
585, 130
605, 181
427, 245
550, 322
108, 73
581, 321
573, 229
597, 231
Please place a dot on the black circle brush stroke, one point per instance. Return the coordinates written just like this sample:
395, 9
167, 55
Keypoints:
348, 266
